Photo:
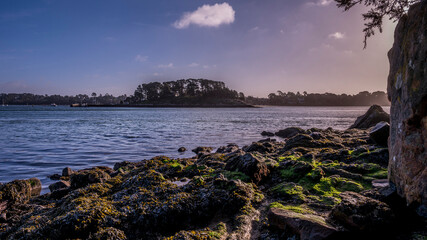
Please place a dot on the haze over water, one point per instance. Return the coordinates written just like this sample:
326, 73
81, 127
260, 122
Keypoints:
41, 140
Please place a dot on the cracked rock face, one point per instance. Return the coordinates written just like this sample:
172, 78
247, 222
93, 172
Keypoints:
407, 90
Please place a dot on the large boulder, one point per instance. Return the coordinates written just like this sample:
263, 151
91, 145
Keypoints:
407, 91
306, 226
361, 213
249, 164
374, 115
66, 172
289, 132
267, 134
230, 148
85, 177
59, 186
20, 191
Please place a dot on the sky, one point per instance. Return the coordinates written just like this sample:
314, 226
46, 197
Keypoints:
254, 46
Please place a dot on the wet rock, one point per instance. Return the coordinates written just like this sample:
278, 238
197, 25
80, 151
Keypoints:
361, 213
316, 135
20, 191
380, 133
215, 160
54, 176
306, 141
261, 147
407, 91
59, 185
124, 164
85, 177
289, 132
249, 164
108, 233
267, 134
66, 172
374, 115
305, 226
230, 148
203, 150
271, 140
182, 149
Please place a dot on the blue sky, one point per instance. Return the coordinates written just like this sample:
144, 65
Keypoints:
255, 46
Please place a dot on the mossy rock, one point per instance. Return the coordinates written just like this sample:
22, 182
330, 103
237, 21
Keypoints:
289, 190
20, 191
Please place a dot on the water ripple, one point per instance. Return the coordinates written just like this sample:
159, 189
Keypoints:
40, 141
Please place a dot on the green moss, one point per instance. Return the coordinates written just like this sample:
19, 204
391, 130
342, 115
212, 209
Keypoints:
258, 197
220, 230
198, 180
289, 157
215, 235
236, 176
298, 209
289, 190
380, 174
195, 167
32, 182
327, 189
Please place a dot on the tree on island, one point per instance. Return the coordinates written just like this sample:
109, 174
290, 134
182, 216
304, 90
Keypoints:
395, 9
183, 91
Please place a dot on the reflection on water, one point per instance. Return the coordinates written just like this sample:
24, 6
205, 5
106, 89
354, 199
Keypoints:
42, 140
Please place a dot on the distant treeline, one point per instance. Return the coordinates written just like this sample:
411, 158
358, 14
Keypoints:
33, 99
183, 91
325, 99
199, 91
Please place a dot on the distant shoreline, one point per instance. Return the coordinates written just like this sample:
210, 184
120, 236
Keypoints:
192, 105
178, 106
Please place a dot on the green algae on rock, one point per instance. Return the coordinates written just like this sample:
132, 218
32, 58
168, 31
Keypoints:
225, 195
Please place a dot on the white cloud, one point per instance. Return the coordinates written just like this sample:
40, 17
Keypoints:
194, 64
140, 58
320, 3
254, 29
337, 35
207, 16
170, 65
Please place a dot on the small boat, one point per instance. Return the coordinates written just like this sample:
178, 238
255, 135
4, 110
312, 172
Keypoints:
53, 105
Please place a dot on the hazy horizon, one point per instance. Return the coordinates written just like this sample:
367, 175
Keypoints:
256, 47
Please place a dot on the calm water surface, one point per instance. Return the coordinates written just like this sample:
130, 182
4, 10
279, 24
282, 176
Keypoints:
41, 140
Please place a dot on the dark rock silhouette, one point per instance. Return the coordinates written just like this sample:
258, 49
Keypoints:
374, 115
267, 134
289, 132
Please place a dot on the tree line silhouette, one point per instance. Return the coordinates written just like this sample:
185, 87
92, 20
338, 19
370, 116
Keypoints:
34, 99
280, 98
199, 91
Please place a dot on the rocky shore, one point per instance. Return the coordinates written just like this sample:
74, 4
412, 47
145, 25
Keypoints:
309, 184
